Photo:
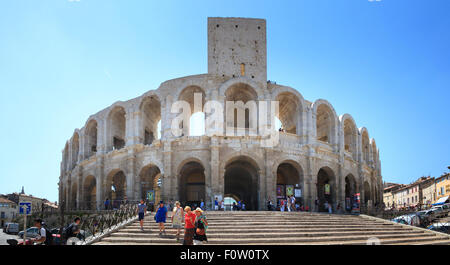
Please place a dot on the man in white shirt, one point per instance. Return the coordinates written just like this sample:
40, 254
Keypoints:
40, 239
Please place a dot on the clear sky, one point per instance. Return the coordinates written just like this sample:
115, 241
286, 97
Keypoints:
386, 63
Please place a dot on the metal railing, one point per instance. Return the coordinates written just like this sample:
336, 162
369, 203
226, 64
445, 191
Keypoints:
93, 222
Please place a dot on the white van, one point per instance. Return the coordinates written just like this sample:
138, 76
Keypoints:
12, 228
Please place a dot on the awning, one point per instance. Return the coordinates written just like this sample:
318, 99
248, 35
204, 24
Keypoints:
442, 200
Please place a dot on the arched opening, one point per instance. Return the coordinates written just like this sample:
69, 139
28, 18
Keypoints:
192, 184
350, 136
117, 125
241, 181
151, 115
365, 146
350, 191
289, 182
73, 198
75, 149
241, 117
116, 188
367, 193
150, 181
288, 111
90, 191
91, 138
325, 124
326, 188
197, 115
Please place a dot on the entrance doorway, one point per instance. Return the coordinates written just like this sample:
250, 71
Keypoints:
326, 186
192, 184
241, 182
289, 183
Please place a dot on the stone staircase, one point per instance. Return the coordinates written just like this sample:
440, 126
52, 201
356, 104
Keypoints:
281, 228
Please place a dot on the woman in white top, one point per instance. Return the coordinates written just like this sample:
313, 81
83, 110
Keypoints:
177, 219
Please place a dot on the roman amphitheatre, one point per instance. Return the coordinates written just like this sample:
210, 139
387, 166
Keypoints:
128, 149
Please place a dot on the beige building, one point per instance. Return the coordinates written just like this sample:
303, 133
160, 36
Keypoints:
8, 211
389, 198
429, 193
118, 155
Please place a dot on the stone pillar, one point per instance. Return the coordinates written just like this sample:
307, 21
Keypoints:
131, 176
80, 193
209, 196
100, 183
166, 189
214, 168
262, 189
101, 136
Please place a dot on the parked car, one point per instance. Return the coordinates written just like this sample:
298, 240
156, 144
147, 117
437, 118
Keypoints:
427, 215
32, 232
408, 219
4, 227
440, 227
438, 211
11, 228
446, 207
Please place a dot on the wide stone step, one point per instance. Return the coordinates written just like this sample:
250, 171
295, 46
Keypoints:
238, 234
278, 221
358, 239
265, 230
276, 226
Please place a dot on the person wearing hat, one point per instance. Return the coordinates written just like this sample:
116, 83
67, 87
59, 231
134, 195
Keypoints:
177, 219
201, 224
160, 217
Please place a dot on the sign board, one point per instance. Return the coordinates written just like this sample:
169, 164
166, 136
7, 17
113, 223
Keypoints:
327, 189
151, 195
289, 190
25, 208
298, 193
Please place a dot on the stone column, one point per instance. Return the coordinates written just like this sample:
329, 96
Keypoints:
214, 168
102, 138
131, 176
100, 183
166, 189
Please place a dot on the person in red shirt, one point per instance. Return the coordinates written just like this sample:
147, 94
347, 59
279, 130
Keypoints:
189, 226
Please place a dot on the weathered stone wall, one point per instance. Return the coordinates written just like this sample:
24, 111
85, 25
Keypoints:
316, 140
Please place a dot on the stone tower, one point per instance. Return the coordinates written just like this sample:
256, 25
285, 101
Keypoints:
237, 47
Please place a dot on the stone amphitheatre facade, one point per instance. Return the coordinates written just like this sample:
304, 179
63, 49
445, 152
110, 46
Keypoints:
118, 155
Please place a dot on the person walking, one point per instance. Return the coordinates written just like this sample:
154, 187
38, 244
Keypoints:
216, 204
177, 219
294, 207
330, 209
282, 205
201, 224
189, 226
202, 204
107, 204
142, 208
160, 217
288, 200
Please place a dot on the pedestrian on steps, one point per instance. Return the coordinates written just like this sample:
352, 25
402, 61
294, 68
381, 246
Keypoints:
201, 224
177, 219
142, 208
189, 226
160, 217
288, 200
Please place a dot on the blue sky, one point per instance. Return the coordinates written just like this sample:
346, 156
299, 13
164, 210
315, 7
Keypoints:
386, 63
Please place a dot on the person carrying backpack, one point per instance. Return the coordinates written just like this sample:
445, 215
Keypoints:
44, 236
72, 230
